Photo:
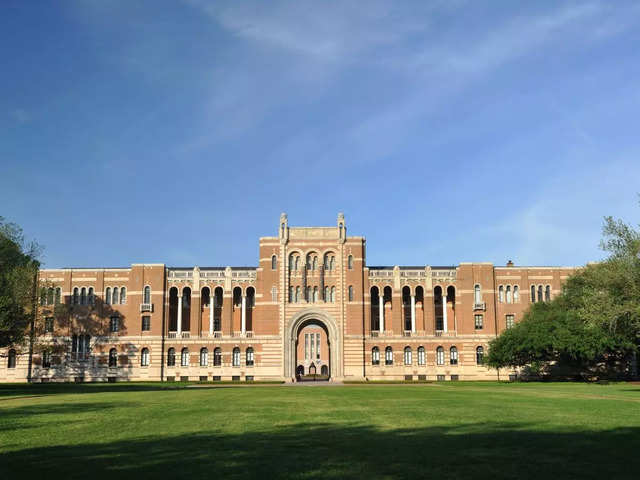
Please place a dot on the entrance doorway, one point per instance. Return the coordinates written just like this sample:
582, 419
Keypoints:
312, 352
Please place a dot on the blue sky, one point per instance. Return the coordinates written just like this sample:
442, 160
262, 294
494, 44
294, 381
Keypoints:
446, 131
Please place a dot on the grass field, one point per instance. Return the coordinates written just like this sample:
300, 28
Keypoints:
443, 430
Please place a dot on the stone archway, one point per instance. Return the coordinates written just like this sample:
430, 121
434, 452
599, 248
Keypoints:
291, 334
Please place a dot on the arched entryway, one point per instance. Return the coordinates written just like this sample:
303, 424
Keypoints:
304, 323
312, 351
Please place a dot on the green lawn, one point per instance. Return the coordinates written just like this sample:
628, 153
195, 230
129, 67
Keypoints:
443, 430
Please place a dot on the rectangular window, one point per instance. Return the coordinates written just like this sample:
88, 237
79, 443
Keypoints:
146, 323
317, 346
306, 346
478, 322
312, 341
440, 378
274, 294
48, 325
114, 324
510, 320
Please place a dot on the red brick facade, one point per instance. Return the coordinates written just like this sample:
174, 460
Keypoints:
250, 323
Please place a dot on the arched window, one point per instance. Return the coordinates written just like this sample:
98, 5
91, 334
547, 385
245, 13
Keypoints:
408, 360
533, 293
171, 357
11, 361
315, 294
440, 356
83, 296
453, 356
91, 297
375, 356
350, 262
50, 296
107, 296
204, 357
274, 262
308, 294
509, 297
332, 261
291, 261
516, 294
297, 264
297, 294
146, 298
314, 265
235, 359
477, 295
115, 297
540, 299
501, 294
144, 357
184, 357
547, 293
113, 358
351, 293
480, 356
388, 356
421, 356
58, 295
326, 294
76, 296
249, 357
333, 294
217, 357
290, 294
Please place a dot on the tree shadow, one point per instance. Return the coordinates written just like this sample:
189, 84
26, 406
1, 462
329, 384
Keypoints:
20, 418
22, 390
91, 319
479, 451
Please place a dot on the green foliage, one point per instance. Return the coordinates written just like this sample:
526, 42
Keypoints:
18, 274
593, 327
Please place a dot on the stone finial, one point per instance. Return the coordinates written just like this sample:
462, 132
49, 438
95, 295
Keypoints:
283, 228
342, 228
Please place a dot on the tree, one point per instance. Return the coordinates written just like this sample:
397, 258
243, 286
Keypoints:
18, 284
593, 327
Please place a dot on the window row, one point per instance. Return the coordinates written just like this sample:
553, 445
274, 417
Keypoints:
86, 296
312, 262
115, 296
508, 294
204, 357
422, 359
311, 294
50, 296
544, 293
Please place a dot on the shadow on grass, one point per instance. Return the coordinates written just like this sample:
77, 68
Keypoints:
327, 451
38, 389
20, 418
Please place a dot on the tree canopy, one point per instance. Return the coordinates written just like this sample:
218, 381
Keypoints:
593, 327
18, 276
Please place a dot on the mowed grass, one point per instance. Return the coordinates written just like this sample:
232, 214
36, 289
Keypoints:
443, 430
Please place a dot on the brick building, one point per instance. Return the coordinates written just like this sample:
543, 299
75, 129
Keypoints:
312, 305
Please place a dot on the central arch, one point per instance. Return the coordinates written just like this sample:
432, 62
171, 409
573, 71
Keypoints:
291, 334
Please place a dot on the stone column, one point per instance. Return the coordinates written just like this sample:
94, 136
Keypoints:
381, 303
211, 314
444, 313
180, 315
413, 314
244, 313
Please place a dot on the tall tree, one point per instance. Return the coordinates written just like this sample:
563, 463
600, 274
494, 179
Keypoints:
18, 281
593, 327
